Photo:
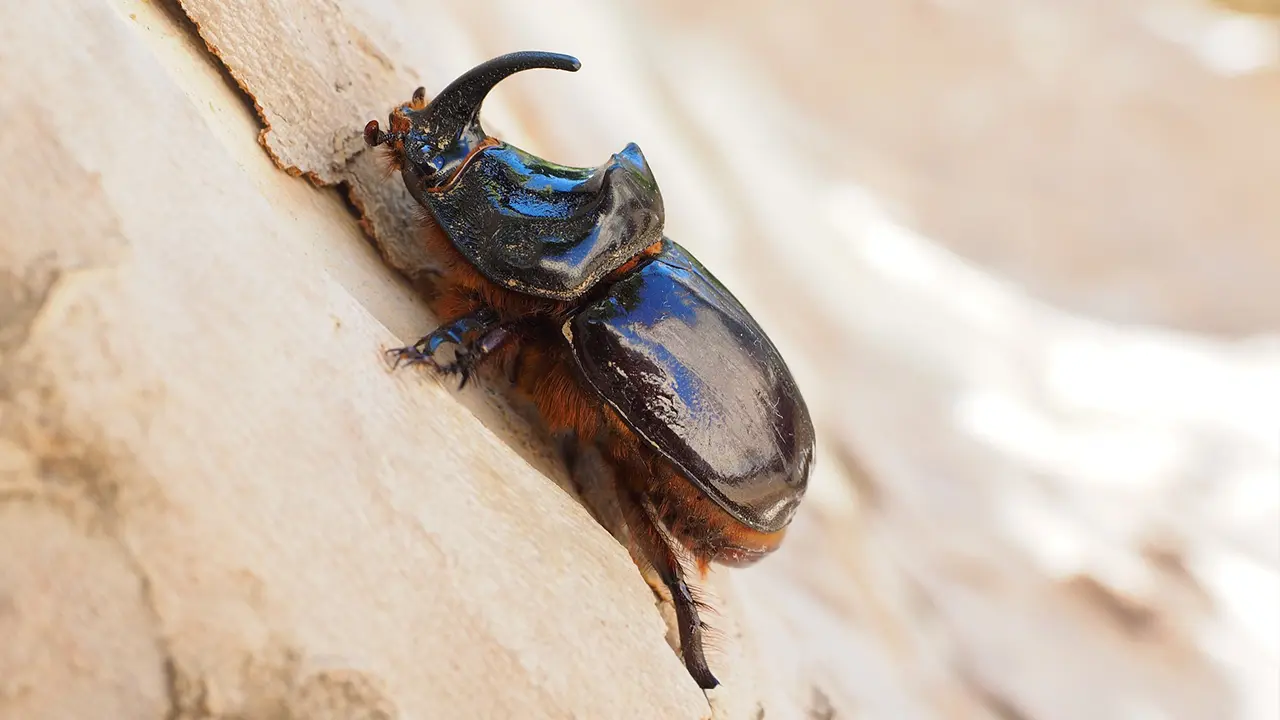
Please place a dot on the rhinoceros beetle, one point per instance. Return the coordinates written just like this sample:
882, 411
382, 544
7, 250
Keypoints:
618, 336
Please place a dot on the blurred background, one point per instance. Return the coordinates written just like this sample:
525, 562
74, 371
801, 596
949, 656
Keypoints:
1024, 258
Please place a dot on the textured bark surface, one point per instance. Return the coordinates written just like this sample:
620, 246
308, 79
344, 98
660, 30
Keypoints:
215, 501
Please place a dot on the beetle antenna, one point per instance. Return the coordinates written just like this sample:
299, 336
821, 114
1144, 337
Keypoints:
373, 135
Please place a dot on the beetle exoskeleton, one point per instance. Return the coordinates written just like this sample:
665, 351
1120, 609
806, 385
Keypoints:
615, 333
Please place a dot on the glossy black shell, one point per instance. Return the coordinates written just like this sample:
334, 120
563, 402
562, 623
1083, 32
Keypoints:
694, 375
546, 229
526, 224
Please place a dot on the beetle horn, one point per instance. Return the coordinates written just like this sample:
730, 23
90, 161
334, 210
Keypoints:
446, 131
457, 107
526, 224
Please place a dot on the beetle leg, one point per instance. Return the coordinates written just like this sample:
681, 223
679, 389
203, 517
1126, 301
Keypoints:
655, 549
469, 356
515, 366
453, 332
567, 446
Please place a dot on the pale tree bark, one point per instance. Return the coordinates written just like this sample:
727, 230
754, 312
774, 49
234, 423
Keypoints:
216, 501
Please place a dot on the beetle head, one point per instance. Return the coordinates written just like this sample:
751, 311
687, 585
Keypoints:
527, 224
430, 142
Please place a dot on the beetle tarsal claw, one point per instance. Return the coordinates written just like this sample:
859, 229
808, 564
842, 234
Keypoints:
407, 356
463, 365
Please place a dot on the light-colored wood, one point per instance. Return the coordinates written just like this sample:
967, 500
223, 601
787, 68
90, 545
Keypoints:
215, 500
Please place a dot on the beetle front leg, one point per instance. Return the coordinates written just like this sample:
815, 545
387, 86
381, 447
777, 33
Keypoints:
476, 335
454, 332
